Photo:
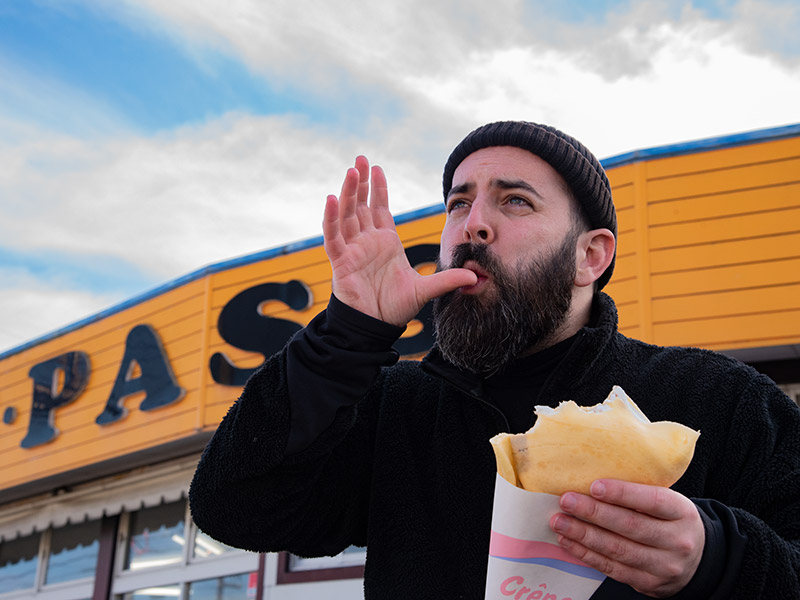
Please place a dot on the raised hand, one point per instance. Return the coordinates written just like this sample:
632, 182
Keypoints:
370, 270
649, 537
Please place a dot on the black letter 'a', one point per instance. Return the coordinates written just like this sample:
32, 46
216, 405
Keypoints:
143, 348
73, 368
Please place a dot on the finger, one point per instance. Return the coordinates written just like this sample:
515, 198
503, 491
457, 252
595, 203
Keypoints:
605, 543
348, 200
362, 166
641, 580
362, 194
331, 235
438, 284
624, 521
379, 199
656, 501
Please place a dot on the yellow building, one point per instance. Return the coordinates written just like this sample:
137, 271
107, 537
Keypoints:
104, 420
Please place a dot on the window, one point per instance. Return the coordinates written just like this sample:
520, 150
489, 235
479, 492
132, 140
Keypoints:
163, 555
62, 557
205, 546
18, 561
348, 564
156, 536
73, 552
233, 587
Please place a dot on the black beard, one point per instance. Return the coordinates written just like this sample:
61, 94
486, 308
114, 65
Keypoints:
481, 335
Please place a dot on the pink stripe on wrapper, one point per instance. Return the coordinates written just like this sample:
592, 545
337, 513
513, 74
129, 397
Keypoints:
508, 547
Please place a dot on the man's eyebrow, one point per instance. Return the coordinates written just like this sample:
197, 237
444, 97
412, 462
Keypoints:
516, 184
462, 188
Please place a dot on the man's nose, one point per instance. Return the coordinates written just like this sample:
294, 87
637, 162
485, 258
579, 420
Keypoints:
478, 226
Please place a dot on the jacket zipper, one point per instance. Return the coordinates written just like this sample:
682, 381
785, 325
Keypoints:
494, 408
558, 367
475, 394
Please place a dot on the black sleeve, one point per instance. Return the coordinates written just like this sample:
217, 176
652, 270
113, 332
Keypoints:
716, 575
330, 364
248, 492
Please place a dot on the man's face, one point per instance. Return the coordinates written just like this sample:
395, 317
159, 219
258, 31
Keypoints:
511, 200
509, 220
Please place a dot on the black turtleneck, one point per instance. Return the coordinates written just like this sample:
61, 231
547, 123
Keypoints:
515, 388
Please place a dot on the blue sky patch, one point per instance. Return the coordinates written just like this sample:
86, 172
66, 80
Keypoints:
141, 76
84, 272
596, 11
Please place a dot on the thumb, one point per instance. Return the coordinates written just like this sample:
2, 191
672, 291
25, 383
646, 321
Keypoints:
438, 284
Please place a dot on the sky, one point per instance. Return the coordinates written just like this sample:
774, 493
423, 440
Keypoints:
141, 140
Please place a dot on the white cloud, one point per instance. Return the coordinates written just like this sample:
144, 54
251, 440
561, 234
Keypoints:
654, 73
769, 28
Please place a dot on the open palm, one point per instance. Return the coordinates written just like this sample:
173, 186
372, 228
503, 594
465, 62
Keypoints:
370, 270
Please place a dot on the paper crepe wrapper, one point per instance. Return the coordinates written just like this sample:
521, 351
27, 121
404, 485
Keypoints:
567, 449
524, 551
571, 446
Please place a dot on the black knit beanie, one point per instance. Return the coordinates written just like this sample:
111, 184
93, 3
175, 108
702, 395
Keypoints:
572, 160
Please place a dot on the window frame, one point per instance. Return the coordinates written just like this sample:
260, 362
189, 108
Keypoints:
287, 575
188, 570
75, 589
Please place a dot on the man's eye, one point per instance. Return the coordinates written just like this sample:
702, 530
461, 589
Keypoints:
454, 204
519, 200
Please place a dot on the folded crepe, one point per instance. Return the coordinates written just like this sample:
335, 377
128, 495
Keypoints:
571, 446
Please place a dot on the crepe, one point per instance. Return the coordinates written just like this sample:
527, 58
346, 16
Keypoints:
571, 446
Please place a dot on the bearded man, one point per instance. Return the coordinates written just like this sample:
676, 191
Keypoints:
335, 443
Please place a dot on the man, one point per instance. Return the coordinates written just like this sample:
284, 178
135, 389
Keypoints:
333, 444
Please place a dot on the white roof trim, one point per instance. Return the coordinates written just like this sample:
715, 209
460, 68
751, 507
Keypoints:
147, 486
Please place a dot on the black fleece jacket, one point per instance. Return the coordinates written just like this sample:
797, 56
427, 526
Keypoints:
396, 457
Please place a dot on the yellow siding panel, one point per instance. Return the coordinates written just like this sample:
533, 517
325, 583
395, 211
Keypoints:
626, 220
771, 223
724, 180
624, 268
623, 194
724, 158
720, 279
772, 299
744, 202
731, 332
102, 446
629, 315
623, 291
717, 254
619, 177
627, 243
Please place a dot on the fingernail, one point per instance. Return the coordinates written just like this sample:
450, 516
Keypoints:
568, 502
598, 489
560, 523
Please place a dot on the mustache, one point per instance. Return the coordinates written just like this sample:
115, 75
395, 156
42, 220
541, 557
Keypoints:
480, 254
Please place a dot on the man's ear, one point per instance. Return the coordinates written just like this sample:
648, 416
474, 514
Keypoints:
594, 252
